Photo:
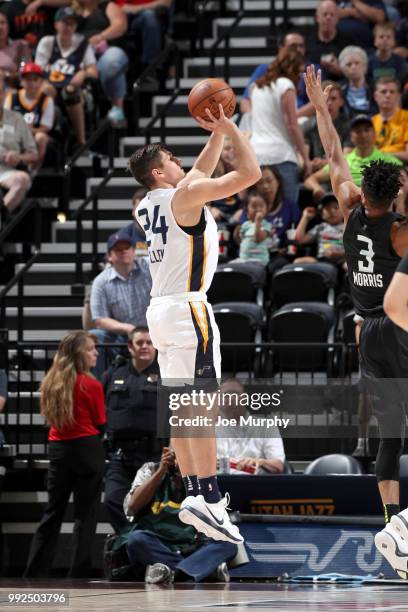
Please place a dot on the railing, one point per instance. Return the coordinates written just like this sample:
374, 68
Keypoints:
225, 38
170, 48
104, 127
24, 428
18, 279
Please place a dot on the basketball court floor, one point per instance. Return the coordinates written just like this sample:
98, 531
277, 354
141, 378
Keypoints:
123, 597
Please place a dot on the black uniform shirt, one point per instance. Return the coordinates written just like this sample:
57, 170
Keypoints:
371, 260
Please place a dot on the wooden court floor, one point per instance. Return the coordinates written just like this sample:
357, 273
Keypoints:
100, 596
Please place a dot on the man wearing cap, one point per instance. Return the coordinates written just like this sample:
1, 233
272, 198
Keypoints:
17, 147
68, 60
120, 295
391, 123
36, 107
362, 135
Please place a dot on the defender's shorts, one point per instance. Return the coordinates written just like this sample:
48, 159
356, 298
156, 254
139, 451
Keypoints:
384, 370
184, 332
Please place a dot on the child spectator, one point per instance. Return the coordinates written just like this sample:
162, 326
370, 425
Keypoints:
384, 62
36, 107
68, 60
328, 235
354, 64
256, 233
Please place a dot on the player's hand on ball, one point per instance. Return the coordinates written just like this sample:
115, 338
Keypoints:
223, 125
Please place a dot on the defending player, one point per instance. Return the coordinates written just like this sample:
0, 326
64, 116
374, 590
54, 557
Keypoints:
183, 250
374, 239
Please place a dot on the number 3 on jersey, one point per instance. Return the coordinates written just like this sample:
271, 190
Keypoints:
156, 228
368, 255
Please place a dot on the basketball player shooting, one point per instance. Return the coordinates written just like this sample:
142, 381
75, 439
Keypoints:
374, 239
183, 250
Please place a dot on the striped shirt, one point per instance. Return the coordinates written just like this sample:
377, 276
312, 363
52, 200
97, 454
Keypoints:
123, 299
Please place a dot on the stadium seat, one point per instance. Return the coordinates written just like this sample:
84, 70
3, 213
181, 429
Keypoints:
301, 322
238, 282
404, 465
306, 282
334, 464
240, 322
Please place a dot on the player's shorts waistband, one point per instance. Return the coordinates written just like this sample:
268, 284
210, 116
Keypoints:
188, 296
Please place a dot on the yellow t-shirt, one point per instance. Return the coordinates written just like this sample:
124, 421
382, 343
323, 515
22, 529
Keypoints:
392, 135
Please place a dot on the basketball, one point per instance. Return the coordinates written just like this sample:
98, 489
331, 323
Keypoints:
208, 94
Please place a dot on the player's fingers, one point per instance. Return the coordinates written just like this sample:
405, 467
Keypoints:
204, 124
221, 111
210, 115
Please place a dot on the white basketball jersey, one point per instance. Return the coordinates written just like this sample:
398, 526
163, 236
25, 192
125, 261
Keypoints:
178, 262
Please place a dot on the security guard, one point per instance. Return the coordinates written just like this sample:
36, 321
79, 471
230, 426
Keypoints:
131, 393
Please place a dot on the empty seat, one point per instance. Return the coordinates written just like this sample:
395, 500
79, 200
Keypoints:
334, 464
301, 322
238, 282
307, 282
240, 322
404, 465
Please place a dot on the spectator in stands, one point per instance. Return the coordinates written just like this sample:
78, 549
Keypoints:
31, 19
120, 295
384, 62
335, 104
17, 146
327, 235
401, 202
12, 53
68, 61
131, 397
103, 24
158, 543
146, 19
391, 122
324, 46
36, 107
354, 64
256, 235
290, 40
225, 210
263, 453
72, 403
358, 17
276, 136
363, 137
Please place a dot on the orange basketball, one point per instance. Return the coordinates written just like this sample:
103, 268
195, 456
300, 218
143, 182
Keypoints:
208, 94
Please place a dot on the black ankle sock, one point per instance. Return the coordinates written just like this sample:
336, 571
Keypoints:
390, 510
209, 489
191, 485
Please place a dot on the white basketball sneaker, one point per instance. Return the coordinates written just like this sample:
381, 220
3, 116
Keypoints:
390, 544
210, 519
400, 524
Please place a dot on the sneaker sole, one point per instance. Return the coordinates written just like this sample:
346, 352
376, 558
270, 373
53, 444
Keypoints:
387, 546
188, 516
401, 526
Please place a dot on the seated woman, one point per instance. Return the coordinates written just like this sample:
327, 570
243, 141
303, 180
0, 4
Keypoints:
13, 53
103, 24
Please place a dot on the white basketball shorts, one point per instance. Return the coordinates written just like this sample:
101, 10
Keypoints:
184, 332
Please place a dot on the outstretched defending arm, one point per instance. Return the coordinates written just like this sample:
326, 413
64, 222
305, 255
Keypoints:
346, 191
207, 161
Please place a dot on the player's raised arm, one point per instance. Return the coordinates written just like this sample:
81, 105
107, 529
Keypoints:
346, 191
207, 161
247, 172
